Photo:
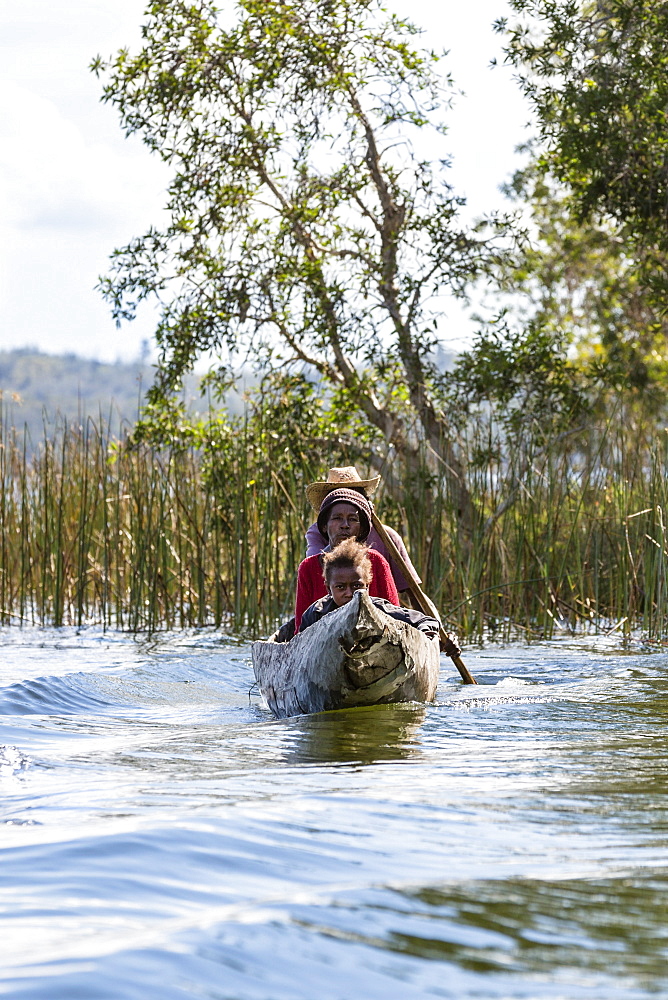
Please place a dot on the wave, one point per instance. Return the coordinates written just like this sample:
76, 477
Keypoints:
11, 760
51, 696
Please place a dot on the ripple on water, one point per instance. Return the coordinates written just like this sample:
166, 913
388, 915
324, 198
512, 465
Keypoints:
159, 827
491, 938
12, 760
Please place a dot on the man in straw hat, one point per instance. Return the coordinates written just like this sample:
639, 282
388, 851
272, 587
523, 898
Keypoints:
348, 478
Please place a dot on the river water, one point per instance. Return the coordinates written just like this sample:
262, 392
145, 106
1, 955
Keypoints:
163, 837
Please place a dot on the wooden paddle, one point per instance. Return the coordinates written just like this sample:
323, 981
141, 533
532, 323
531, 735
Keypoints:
421, 599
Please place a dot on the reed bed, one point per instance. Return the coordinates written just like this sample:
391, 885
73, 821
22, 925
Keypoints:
144, 539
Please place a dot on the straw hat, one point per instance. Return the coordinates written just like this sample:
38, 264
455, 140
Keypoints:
345, 478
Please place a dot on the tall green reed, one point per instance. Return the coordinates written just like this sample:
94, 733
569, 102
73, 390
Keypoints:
143, 539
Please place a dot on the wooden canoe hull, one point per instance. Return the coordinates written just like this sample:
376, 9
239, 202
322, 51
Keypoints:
356, 655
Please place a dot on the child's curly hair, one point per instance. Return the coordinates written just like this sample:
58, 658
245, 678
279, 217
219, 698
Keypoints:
348, 555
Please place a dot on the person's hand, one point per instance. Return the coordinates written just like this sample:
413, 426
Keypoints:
450, 644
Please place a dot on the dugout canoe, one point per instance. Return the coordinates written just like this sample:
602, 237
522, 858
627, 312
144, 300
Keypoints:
356, 655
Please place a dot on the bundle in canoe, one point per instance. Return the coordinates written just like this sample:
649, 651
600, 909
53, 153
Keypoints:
356, 655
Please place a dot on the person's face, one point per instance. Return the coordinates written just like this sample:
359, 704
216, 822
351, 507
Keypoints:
343, 583
343, 522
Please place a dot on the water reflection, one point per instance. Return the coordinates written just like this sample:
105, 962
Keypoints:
215, 850
609, 928
356, 735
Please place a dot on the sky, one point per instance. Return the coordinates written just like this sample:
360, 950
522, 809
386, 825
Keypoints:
72, 187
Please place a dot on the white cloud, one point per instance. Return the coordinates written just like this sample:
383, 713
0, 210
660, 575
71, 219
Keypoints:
52, 177
71, 187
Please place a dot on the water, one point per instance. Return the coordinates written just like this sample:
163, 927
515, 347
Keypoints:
164, 837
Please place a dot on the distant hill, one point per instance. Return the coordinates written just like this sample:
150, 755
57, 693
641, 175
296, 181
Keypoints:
36, 387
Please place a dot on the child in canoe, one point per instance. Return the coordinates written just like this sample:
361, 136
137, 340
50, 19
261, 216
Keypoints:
347, 569
344, 515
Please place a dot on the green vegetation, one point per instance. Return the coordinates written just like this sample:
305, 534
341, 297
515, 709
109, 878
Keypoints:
597, 77
307, 236
211, 532
304, 228
308, 240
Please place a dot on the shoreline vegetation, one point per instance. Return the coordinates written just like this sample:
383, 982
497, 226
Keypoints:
306, 236
140, 538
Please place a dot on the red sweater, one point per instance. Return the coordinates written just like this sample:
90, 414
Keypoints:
311, 583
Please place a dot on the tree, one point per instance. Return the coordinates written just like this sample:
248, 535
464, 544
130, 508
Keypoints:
583, 283
597, 76
304, 229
